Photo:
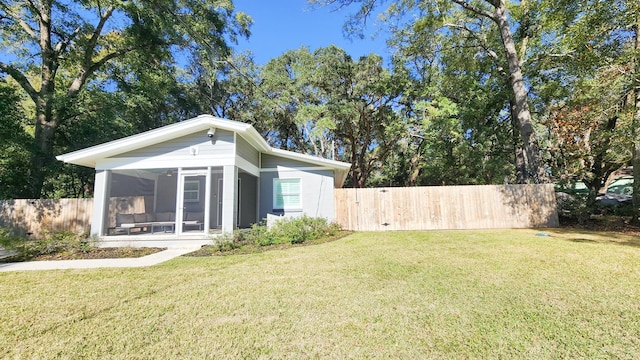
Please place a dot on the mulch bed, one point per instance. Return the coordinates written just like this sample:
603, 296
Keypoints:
212, 250
91, 253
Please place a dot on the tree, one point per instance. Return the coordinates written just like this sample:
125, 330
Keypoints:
14, 148
71, 41
635, 21
588, 87
589, 132
226, 88
285, 88
327, 104
359, 109
434, 16
458, 109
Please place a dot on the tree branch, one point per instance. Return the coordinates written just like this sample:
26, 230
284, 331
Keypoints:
88, 66
475, 9
88, 52
37, 10
481, 41
61, 47
20, 79
98, 30
13, 16
87, 70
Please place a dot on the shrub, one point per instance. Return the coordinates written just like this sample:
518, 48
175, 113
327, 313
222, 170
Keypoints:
50, 243
260, 235
7, 239
230, 242
293, 231
572, 207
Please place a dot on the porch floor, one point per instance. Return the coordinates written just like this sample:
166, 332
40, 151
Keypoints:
161, 239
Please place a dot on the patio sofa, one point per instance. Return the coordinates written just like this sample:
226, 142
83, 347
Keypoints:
144, 222
149, 222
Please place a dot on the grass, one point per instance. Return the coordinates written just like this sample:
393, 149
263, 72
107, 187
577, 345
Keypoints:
445, 294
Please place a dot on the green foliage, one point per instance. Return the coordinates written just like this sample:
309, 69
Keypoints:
327, 104
8, 239
231, 242
573, 207
286, 231
64, 50
15, 145
295, 230
49, 243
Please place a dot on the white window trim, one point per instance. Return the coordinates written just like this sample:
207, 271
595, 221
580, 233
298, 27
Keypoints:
275, 193
197, 191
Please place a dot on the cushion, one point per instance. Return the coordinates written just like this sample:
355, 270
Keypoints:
151, 217
195, 216
124, 219
164, 217
140, 218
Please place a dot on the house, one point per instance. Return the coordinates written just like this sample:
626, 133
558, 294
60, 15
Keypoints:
201, 177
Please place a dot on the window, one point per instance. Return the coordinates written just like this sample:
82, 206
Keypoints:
192, 191
286, 194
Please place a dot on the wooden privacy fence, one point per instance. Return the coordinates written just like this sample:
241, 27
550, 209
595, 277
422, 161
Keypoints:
446, 207
415, 208
28, 217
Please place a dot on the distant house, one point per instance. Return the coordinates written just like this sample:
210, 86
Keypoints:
200, 177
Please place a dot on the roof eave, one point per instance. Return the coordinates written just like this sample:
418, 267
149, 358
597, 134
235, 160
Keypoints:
89, 156
341, 169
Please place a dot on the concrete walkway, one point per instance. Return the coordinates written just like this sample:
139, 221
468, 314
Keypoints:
148, 260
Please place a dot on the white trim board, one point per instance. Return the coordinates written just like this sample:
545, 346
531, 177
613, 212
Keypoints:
304, 168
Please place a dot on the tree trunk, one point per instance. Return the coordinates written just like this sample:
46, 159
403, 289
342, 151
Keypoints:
636, 123
535, 170
636, 155
45, 124
519, 155
42, 154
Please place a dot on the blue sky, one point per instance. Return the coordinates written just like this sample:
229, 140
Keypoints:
282, 25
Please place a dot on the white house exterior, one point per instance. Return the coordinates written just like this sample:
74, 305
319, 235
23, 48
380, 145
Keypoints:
200, 177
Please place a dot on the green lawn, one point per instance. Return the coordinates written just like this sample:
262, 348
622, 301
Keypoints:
445, 294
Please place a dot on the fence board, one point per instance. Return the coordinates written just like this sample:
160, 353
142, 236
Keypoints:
446, 207
28, 217
128, 205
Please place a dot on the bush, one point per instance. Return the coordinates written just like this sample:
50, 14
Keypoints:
572, 207
7, 239
50, 243
230, 242
293, 231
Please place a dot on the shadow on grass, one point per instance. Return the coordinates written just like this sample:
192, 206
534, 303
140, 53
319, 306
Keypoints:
623, 236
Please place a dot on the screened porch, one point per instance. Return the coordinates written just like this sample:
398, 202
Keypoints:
178, 201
